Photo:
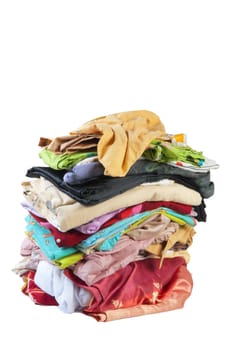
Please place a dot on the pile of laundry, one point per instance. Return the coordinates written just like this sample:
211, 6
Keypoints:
110, 216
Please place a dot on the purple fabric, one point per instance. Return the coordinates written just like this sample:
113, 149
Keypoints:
83, 172
94, 225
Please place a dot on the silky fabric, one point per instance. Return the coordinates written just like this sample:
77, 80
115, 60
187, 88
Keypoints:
172, 297
140, 282
36, 294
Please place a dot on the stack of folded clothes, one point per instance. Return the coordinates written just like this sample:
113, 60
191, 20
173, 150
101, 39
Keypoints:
110, 218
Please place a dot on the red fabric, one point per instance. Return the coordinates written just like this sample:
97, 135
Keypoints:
173, 297
140, 282
37, 295
62, 239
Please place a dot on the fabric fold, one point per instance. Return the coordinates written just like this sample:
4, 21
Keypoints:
65, 213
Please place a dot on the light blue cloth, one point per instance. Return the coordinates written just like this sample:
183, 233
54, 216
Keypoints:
186, 218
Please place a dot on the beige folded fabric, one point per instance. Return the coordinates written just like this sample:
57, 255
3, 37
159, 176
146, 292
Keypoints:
70, 143
65, 213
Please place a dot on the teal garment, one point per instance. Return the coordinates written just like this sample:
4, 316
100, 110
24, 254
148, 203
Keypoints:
166, 152
63, 160
186, 218
45, 240
107, 238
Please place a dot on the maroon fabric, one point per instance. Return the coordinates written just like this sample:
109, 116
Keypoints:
62, 239
140, 282
37, 295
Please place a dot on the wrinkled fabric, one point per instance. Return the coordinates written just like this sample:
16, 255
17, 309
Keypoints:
35, 293
74, 237
100, 264
157, 227
96, 224
140, 282
52, 280
62, 239
64, 160
107, 238
173, 297
80, 173
162, 151
198, 180
65, 213
139, 208
199, 212
68, 260
28, 263
63, 257
126, 134
104, 188
27, 246
45, 240
183, 235
144, 223
176, 217
70, 143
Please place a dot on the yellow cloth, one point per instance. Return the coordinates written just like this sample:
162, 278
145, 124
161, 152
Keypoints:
124, 138
69, 260
183, 235
157, 248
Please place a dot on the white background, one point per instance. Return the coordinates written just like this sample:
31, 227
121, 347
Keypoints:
65, 62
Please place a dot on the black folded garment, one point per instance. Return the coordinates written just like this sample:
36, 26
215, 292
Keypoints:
106, 187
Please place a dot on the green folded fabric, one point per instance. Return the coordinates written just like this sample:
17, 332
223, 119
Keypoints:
63, 160
166, 152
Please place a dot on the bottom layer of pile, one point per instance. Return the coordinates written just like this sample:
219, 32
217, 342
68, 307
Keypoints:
140, 288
